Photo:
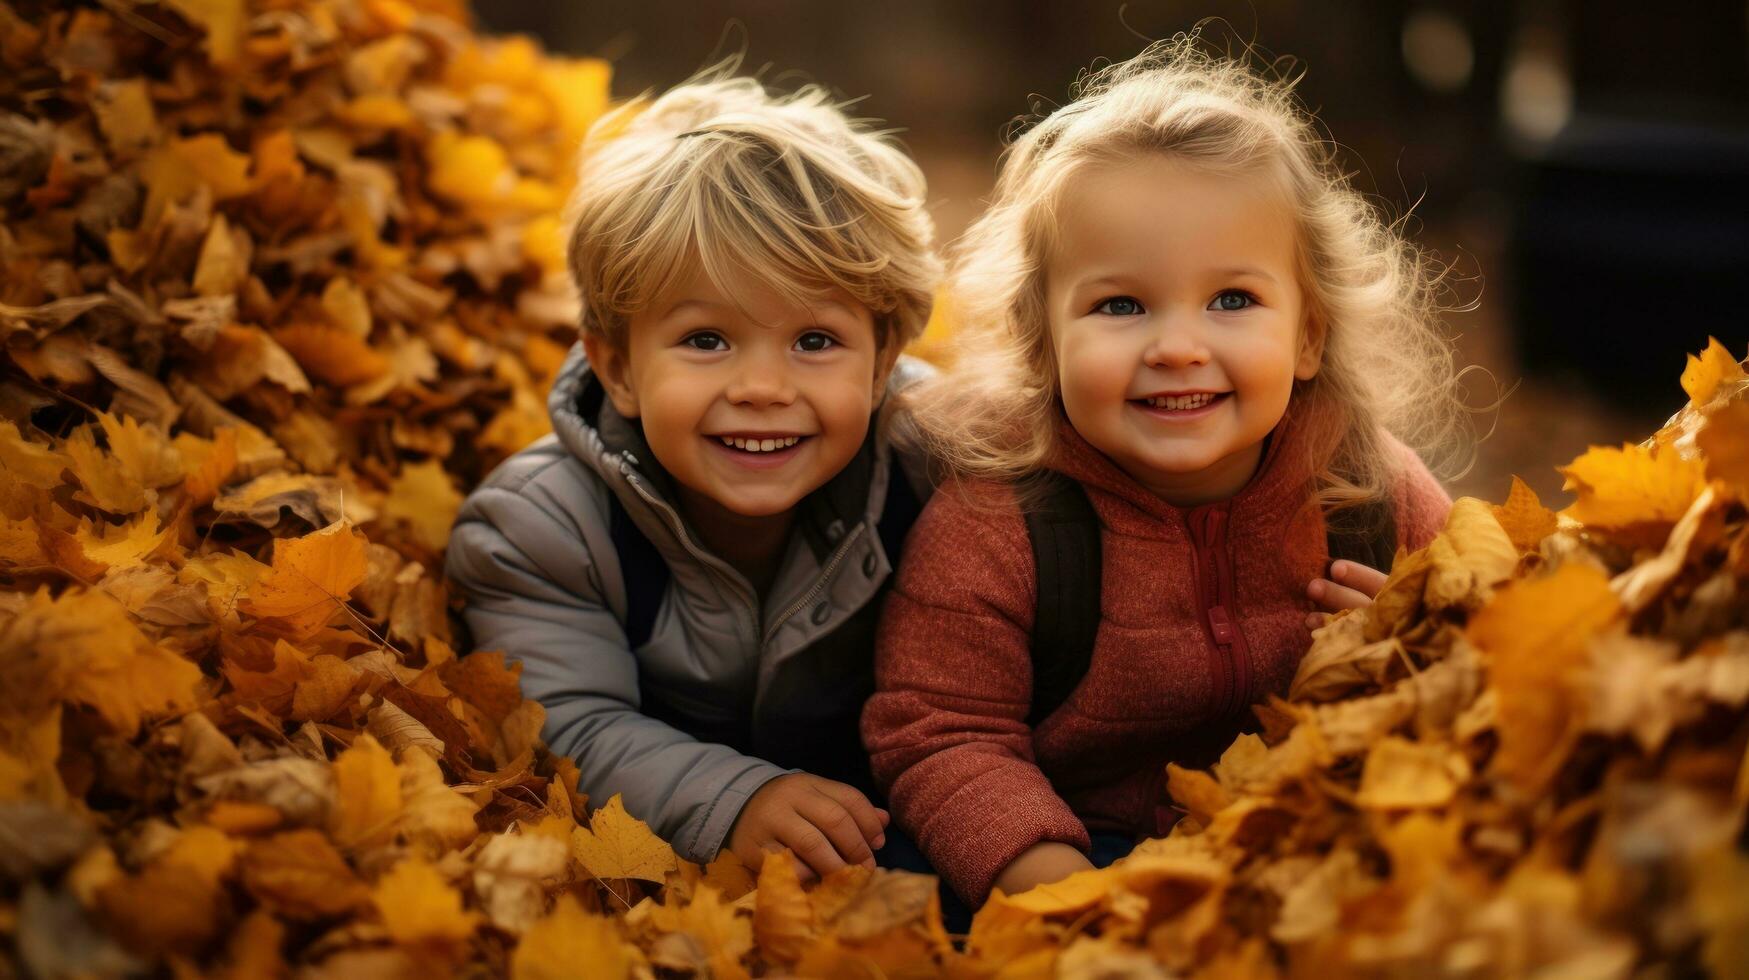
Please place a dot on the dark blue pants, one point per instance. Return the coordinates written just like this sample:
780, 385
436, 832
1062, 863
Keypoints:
903, 854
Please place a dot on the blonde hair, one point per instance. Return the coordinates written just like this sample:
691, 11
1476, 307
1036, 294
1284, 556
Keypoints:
1387, 364
723, 175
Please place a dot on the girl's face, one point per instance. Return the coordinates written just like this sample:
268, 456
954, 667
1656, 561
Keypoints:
1177, 319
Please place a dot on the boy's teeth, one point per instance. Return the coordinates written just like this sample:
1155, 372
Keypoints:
760, 445
1179, 403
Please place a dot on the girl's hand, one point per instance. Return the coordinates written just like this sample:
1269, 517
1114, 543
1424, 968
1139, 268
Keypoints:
1041, 864
1350, 586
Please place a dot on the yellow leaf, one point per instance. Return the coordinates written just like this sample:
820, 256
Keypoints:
1724, 442
29, 462
1071, 896
346, 307
367, 795
125, 545
783, 918
619, 845
1619, 488
433, 813
1703, 375
125, 115
207, 851
1401, 774
211, 161
325, 689
719, 928
84, 647
728, 876
1535, 634
555, 947
418, 906
299, 874
311, 578
1524, 518
108, 484
224, 260
468, 169
223, 21
423, 497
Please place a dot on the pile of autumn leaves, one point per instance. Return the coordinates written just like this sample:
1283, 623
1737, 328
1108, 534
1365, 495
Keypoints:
279, 282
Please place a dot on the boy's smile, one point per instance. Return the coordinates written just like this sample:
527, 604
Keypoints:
750, 401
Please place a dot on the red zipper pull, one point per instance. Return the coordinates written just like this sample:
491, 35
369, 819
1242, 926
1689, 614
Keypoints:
1221, 625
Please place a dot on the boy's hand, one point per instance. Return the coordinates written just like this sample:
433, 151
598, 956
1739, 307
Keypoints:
1351, 585
826, 824
1041, 864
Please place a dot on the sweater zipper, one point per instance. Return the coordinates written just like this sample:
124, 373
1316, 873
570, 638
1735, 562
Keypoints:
1214, 581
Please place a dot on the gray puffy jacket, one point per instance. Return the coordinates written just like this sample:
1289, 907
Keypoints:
726, 694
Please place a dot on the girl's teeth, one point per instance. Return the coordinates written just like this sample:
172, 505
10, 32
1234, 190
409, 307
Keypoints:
760, 445
1180, 403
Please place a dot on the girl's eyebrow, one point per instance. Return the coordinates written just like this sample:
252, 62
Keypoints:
1245, 270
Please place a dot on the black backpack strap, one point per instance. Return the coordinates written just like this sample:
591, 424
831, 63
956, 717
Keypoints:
1364, 533
1066, 554
898, 513
645, 572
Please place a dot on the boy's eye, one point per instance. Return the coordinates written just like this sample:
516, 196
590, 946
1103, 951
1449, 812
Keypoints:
814, 342
1119, 306
706, 342
1233, 300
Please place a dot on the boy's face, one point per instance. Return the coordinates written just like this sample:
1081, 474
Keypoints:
752, 401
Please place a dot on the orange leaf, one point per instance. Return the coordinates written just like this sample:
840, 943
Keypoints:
1724, 441
1620, 488
367, 795
619, 845
555, 947
311, 578
418, 906
334, 355
1703, 375
1524, 518
1535, 635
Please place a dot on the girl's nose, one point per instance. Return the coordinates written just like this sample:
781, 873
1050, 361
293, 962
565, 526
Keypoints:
1179, 342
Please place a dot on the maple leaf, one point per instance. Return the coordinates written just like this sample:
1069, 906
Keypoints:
554, 947
423, 497
310, 579
1620, 488
1524, 518
1724, 441
1535, 634
367, 795
419, 906
299, 875
1703, 375
619, 845
783, 918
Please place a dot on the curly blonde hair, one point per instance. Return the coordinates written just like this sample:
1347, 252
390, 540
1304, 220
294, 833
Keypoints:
723, 175
1374, 297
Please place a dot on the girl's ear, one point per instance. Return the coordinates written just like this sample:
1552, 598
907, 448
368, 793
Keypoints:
1311, 356
613, 368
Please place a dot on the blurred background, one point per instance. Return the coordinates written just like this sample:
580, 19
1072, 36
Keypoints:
1583, 164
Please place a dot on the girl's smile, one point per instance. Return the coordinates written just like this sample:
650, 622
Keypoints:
1177, 320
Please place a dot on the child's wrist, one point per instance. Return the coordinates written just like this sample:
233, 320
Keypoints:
1040, 864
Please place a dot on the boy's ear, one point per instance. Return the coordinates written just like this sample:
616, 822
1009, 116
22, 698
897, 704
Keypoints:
884, 362
1311, 356
613, 368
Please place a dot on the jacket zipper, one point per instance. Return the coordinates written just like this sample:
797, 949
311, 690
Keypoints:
832, 563
1214, 582
679, 527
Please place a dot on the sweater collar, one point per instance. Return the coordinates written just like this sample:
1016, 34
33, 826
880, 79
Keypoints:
1277, 488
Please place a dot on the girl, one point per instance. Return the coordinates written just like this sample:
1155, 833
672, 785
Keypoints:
1187, 319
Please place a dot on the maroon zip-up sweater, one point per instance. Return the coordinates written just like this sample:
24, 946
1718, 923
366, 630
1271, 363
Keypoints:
1203, 613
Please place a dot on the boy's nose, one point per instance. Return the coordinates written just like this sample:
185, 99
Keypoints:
761, 384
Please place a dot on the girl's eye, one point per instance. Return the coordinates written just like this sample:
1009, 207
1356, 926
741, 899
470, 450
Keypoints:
813, 342
1119, 306
1233, 300
706, 342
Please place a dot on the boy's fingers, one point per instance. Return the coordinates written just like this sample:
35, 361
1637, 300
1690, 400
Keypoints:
833, 820
1333, 597
1359, 577
868, 819
810, 845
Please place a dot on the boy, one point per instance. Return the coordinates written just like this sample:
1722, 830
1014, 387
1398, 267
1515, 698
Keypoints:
688, 568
